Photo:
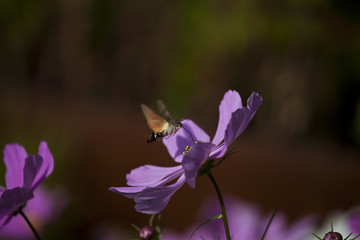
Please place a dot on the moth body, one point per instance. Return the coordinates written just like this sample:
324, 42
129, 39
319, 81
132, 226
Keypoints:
160, 126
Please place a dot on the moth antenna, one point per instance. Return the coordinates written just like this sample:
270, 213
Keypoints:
187, 116
189, 134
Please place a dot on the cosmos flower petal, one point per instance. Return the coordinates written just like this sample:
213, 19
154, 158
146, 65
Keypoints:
239, 121
354, 222
14, 158
301, 228
241, 118
151, 176
17, 228
48, 160
278, 225
4, 220
46, 167
177, 143
32, 167
253, 103
193, 160
129, 192
244, 219
229, 104
154, 200
42, 210
12, 199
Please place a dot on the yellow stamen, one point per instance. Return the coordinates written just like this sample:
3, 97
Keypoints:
187, 148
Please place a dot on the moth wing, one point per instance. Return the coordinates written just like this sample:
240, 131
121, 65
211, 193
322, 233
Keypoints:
155, 122
163, 110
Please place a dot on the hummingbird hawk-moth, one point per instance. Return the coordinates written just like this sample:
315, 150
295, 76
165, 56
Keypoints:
161, 126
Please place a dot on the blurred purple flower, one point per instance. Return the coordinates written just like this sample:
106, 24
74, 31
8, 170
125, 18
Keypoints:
148, 183
354, 222
245, 222
23, 174
44, 208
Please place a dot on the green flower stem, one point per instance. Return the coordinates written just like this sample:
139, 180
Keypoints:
222, 205
30, 225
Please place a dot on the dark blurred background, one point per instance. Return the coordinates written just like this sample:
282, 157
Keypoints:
74, 72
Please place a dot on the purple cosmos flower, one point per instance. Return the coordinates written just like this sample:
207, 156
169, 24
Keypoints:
233, 120
23, 174
148, 183
245, 222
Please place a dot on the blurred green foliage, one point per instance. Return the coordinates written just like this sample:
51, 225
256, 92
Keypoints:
187, 52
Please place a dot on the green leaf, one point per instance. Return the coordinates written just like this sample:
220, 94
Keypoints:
207, 221
348, 236
355, 237
158, 219
151, 220
136, 227
316, 236
164, 230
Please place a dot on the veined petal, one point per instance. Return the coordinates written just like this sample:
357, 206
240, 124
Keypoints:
229, 104
177, 143
14, 158
151, 176
47, 165
239, 121
254, 102
193, 160
48, 160
32, 167
154, 200
241, 118
129, 192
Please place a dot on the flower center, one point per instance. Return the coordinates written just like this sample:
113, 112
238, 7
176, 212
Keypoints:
187, 148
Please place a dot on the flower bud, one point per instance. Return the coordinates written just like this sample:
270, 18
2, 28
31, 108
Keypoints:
147, 233
333, 236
